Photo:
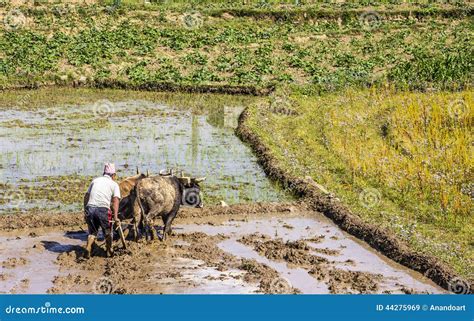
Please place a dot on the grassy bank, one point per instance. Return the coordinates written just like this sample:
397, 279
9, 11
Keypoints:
320, 47
399, 160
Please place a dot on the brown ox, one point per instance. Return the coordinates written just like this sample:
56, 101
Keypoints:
126, 204
162, 196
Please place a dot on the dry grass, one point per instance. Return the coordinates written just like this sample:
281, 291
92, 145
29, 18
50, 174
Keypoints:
401, 160
416, 144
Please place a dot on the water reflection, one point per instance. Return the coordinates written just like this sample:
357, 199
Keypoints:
225, 116
72, 140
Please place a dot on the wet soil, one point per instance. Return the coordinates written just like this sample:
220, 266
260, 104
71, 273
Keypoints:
232, 249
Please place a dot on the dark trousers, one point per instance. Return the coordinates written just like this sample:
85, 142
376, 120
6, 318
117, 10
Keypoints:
98, 217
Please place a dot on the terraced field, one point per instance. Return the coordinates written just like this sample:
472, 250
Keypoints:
362, 111
254, 46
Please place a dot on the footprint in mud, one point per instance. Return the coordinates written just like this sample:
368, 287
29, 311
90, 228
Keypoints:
300, 254
13, 262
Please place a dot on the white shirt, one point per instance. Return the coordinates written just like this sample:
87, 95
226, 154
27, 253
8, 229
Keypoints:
101, 191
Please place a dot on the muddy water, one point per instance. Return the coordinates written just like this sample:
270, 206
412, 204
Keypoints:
352, 254
34, 267
176, 269
197, 278
72, 142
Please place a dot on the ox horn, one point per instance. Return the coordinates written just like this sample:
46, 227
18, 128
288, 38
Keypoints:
200, 179
166, 172
185, 180
147, 173
138, 172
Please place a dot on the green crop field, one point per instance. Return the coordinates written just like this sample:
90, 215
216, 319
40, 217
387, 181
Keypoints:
322, 50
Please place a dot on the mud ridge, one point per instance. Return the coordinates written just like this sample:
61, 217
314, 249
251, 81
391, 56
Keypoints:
152, 86
378, 238
270, 281
298, 254
19, 221
315, 13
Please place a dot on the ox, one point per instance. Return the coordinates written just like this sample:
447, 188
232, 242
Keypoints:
162, 196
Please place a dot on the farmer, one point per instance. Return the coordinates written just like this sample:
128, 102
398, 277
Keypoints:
102, 192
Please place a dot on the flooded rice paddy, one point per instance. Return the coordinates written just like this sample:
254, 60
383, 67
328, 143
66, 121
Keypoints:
52, 144
48, 154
